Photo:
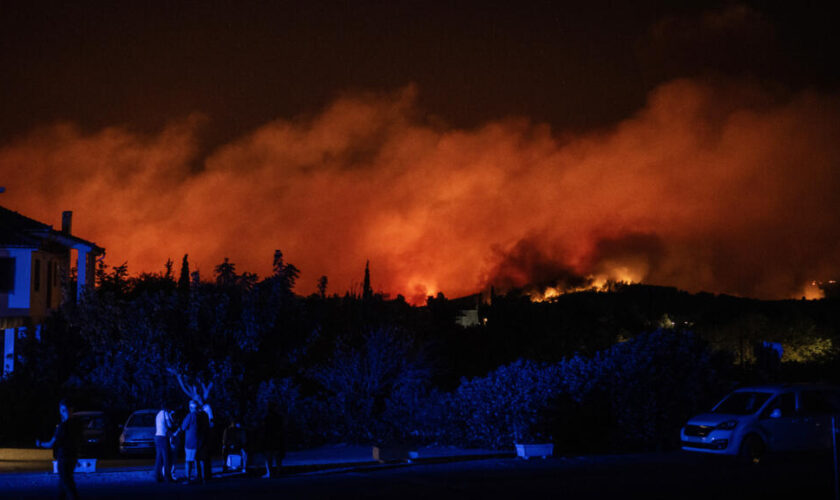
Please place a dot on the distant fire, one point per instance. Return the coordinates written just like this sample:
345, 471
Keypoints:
816, 290
720, 188
600, 283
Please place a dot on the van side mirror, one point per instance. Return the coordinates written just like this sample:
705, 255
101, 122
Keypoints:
776, 413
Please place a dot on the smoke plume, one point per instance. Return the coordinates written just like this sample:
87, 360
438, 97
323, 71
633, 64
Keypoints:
722, 187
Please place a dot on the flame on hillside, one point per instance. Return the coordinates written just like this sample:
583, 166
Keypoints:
618, 277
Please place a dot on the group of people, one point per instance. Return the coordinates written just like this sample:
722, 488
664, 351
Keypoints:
196, 427
196, 430
198, 437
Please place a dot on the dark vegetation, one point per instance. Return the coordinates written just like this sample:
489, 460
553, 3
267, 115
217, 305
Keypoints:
591, 371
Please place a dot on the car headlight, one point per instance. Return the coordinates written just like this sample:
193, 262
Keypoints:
728, 425
122, 438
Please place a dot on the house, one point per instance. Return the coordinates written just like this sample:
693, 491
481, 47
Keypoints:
468, 310
35, 263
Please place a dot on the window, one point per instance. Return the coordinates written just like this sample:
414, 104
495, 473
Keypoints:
37, 284
96, 422
786, 403
7, 274
141, 420
742, 403
819, 403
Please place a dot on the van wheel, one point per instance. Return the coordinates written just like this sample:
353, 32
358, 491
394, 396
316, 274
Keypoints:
752, 449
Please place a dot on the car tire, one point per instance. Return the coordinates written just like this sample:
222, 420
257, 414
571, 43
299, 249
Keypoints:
752, 449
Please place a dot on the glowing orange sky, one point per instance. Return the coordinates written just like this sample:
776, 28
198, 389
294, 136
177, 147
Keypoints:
721, 188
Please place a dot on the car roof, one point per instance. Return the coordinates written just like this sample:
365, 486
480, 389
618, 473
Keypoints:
147, 410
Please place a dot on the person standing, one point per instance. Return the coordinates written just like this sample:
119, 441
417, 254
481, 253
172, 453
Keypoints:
203, 459
192, 432
273, 439
175, 444
163, 453
65, 445
235, 441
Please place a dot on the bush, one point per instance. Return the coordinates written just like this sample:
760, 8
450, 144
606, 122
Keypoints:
369, 393
506, 406
634, 395
648, 386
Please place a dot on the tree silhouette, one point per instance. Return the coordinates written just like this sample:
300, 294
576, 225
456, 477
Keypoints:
285, 275
184, 279
367, 291
168, 266
226, 274
322, 287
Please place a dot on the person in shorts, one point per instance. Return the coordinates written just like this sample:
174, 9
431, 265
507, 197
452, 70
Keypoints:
192, 434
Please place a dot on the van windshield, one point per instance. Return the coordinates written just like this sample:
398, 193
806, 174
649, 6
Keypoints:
742, 403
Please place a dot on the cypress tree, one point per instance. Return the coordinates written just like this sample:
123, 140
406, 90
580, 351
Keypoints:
322, 287
184, 279
367, 291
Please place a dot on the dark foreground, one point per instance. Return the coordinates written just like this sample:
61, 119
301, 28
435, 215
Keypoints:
649, 476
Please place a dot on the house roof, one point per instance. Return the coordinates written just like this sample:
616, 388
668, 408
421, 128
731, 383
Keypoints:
17, 230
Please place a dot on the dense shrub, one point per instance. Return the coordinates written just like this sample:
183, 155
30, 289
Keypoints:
633, 395
370, 392
508, 405
653, 383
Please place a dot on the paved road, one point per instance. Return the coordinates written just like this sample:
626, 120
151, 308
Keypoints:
650, 476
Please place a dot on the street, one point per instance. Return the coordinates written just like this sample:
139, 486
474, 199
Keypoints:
648, 476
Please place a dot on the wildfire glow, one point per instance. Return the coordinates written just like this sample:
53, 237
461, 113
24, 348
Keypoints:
814, 290
720, 188
599, 283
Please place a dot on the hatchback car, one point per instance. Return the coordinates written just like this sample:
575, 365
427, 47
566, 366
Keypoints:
752, 421
138, 435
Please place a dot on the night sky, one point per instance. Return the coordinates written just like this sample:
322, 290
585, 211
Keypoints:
455, 145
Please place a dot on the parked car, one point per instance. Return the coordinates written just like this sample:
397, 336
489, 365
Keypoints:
138, 435
97, 434
753, 421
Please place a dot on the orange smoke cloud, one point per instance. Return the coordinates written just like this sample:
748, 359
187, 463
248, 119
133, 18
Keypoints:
722, 188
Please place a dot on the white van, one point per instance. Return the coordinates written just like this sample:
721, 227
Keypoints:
752, 421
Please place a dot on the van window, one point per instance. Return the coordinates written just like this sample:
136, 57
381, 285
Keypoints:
819, 403
784, 402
